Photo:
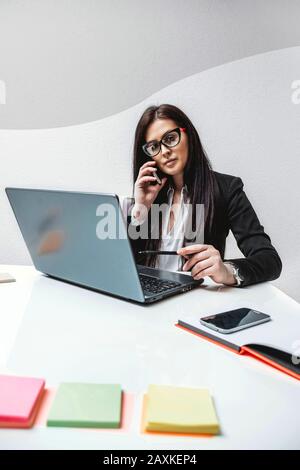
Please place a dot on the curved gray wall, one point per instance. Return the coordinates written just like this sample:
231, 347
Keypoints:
72, 61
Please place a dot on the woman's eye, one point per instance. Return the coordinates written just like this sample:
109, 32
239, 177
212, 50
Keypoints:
153, 147
170, 138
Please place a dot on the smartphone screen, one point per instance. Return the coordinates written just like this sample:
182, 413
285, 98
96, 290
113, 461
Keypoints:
240, 317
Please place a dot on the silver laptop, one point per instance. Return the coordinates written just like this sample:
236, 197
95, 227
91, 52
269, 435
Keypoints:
69, 238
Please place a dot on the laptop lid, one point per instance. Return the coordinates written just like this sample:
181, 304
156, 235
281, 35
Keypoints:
68, 237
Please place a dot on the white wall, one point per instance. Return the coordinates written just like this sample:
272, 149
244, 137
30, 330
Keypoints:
68, 62
247, 121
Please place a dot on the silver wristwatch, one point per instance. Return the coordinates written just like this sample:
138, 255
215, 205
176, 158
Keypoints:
236, 274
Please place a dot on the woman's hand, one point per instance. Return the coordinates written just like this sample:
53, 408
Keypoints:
205, 260
144, 192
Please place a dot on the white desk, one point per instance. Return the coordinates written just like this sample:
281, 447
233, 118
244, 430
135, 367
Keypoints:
61, 332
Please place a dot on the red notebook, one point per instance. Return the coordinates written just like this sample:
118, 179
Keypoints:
276, 342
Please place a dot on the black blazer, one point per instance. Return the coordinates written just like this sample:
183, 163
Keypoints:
233, 211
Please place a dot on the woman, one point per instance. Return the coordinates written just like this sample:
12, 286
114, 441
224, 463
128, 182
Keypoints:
167, 141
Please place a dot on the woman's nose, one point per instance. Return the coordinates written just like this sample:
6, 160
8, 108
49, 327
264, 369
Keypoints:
165, 151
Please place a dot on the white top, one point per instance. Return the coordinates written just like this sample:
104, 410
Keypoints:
172, 240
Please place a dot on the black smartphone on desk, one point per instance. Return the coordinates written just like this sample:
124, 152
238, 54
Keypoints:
234, 320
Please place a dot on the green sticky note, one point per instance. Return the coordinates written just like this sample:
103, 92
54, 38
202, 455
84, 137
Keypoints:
86, 405
179, 409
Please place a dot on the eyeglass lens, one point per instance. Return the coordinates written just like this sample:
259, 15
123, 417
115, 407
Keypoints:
170, 140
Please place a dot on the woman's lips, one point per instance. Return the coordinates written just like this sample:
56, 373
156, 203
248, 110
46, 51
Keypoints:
171, 162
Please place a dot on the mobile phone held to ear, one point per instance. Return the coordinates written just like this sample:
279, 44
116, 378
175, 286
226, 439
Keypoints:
234, 320
158, 174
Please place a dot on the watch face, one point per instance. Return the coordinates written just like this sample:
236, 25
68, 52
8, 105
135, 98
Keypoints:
236, 275
235, 272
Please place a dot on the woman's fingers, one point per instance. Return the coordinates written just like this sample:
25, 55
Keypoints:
192, 249
149, 170
204, 260
193, 259
144, 192
150, 164
146, 179
201, 266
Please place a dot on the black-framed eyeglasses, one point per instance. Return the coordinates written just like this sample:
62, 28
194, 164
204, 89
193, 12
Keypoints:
169, 139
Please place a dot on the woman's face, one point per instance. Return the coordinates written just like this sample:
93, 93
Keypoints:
169, 160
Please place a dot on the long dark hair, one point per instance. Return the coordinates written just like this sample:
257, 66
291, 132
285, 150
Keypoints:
198, 174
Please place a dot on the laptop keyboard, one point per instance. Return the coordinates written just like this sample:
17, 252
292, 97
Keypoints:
155, 286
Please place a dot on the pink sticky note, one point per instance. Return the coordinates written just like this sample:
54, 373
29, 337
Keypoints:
19, 400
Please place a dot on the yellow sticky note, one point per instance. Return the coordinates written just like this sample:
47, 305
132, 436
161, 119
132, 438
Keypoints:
179, 409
